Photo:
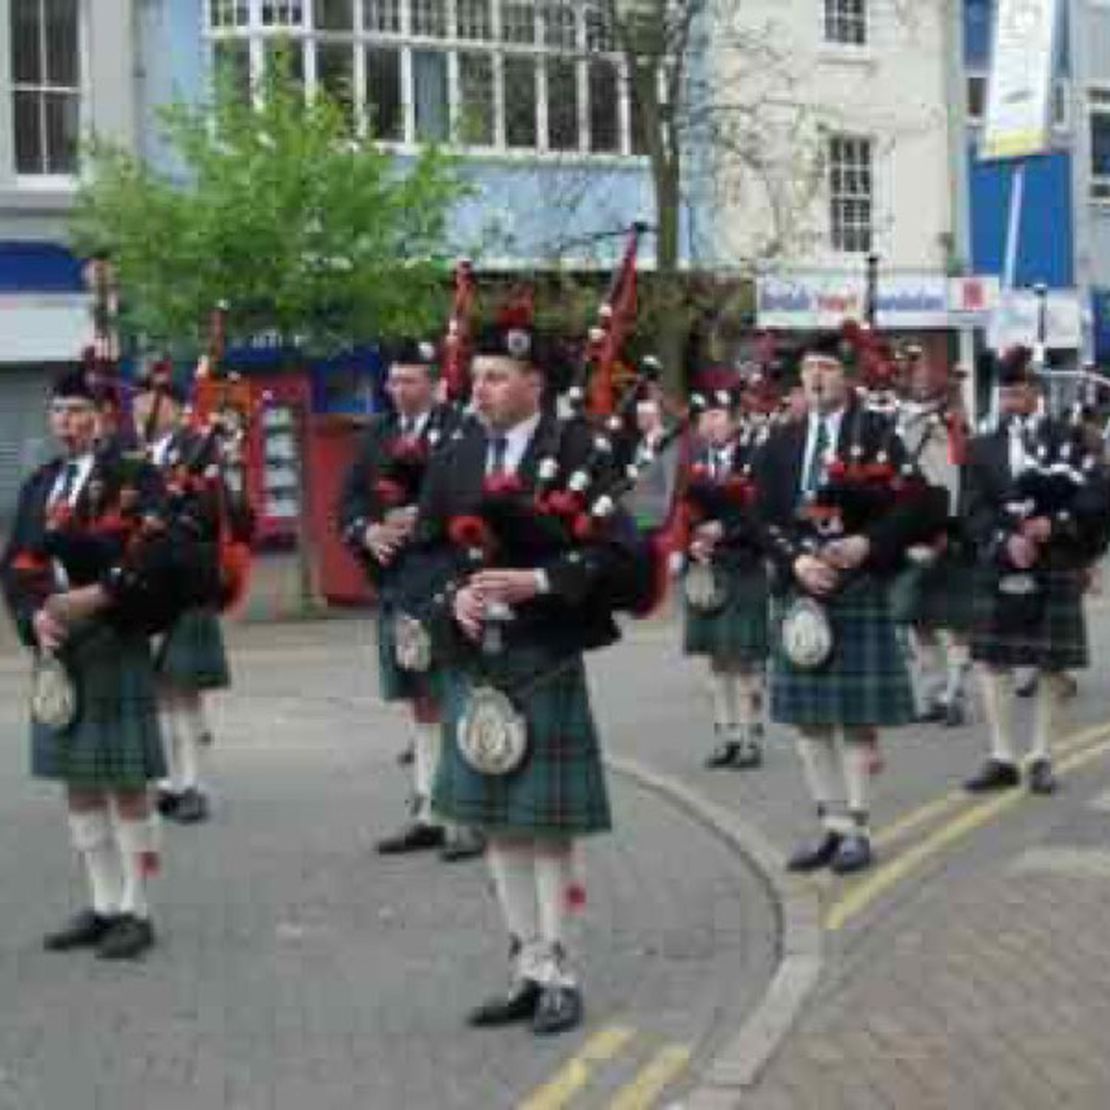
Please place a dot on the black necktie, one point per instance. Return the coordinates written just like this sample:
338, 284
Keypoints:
500, 445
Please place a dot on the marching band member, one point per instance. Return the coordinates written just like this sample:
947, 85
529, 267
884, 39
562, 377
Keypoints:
377, 510
725, 584
100, 737
836, 523
191, 658
932, 595
1036, 507
521, 757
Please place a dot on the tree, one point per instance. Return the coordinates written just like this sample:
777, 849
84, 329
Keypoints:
305, 228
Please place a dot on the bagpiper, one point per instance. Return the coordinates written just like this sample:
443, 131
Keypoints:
836, 513
931, 596
191, 658
1036, 509
725, 581
522, 758
81, 605
377, 510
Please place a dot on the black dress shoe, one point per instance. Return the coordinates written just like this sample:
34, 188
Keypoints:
993, 775
722, 755
852, 854
955, 714
166, 802
85, 930
518, 1005
463, 844
405, 756
748, 757
1068, 686
933, 715
417, 837
1027, 688
191, 808
127, 939
1042, 779
559, 1009
812, 857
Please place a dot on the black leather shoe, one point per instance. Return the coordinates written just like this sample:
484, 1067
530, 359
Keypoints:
1068, 686
993, 775
405, 756
1027, 688
463, 844
1042, 779
722, 755
191, 808
812, 857
560, 1009
748, 757
166, 802
852, 854
955, 714
127, 939
518, 1005
85, 930
933, 715
417, 837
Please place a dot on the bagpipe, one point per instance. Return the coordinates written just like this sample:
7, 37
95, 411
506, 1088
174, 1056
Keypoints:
457, 340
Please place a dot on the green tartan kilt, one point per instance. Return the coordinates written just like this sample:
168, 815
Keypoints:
192, 653
394, 682
115, 742
1045, 630
738, 632
559, 790
865, 680
935, 596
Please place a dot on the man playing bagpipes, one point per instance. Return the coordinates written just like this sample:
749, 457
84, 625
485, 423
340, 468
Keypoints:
536, 581
1036, 507
92, 568
377, 510
931, 596
191, 658
836, 514
725, 580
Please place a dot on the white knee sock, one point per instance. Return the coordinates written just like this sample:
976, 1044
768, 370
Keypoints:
514, 880
138, 847
816, 747
958, 665
998, 705
749, 687
721, 688
426, 741
930, 666
187, 739
553, 880
92, 837
1046, 714
855, 757
167, 719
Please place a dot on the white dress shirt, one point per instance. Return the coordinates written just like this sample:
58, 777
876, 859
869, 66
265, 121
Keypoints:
517, 439
84, 464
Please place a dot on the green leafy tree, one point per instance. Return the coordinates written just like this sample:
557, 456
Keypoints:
277, 207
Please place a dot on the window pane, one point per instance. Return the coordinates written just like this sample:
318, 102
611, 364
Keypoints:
476, 99
1100, 144
520, 102
562, 105
518, 22
429, 17
382, 15
604, 126
62, 123
26, 49
474, 19
383, 94
429, 79
61, 43
334, 15
559, 26
599, 31
28, 133
231, 60
228, 13
282, 13
335, 73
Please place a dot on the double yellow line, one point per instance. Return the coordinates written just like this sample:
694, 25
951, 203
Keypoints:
638, 1094
1074, 752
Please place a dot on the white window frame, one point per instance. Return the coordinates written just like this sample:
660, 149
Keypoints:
44, 181
839, 17
846, 196
1098, 104
361, 37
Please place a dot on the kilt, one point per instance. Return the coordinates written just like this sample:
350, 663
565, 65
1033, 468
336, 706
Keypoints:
192, 653
738, 632
1045, 630
394, 682
935, 596
115, 742
559, 790
864, 682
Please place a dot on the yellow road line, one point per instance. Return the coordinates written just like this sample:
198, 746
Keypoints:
653, 1079
926, 812
864, 893
576, 1072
